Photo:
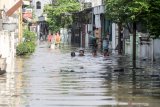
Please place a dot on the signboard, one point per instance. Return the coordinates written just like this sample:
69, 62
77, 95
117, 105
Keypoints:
27, 13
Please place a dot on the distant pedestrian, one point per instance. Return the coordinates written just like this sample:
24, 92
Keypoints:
57, 40
41, 36
50, 37
93, 43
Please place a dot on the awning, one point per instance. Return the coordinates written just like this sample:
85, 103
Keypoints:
14, 8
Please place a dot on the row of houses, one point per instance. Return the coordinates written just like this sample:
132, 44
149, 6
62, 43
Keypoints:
92, 19
15, 16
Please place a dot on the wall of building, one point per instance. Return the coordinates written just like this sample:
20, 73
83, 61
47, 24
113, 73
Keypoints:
39, 12
6, 4
145, 49
156, 48
96, 3
7, 49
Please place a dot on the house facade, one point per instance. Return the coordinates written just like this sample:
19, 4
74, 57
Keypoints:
38, 11
94, 23
38, 6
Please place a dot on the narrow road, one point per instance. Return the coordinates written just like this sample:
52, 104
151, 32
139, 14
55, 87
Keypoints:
51, 78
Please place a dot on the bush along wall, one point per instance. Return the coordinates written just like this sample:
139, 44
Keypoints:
28, 45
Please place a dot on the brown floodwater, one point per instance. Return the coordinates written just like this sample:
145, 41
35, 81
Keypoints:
51, 78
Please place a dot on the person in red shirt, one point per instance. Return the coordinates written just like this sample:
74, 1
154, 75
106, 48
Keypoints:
50, 36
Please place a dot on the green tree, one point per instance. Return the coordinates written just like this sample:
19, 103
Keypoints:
137, 11
28, 45
131, 11
153, 18
59, 13
115, 10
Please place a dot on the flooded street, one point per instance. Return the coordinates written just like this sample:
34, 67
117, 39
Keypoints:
51, 78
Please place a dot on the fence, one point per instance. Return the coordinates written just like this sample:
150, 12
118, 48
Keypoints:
147, 48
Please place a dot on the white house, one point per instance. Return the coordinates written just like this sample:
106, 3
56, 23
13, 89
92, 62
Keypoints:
38, 6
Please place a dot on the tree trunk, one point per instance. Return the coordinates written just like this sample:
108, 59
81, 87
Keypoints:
119, 39
134, 45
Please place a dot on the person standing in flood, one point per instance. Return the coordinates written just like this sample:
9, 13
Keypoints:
57, 39
50, 36
41, 35
93, 44
106, 45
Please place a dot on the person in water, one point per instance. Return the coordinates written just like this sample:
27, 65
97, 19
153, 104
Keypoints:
105, 52
73, 54
94, 52
81, 52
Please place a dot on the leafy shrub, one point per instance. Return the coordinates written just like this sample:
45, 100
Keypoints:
29, 36
21, 49
25, 48
28, 45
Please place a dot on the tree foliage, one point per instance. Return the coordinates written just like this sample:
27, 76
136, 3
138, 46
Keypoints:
153, 18
59, 13
28, 45
115, 10
128, 11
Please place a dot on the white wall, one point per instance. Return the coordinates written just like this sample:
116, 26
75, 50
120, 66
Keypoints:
114, 37
148, 50
38, 12
65, 36
7, 48
7, 3
156, 50
96, 3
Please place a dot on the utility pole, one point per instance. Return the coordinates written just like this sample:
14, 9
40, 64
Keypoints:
134, 45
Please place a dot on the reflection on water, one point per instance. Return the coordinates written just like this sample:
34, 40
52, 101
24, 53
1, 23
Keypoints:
10, 87
51, 78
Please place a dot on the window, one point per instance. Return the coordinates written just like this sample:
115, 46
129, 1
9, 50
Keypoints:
38, 5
